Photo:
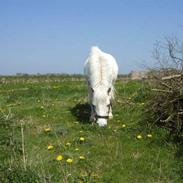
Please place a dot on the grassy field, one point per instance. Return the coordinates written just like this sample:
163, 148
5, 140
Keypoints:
45, 136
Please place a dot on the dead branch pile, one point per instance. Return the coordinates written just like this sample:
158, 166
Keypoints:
165, 106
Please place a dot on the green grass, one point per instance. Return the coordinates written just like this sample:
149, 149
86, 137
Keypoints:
112, 154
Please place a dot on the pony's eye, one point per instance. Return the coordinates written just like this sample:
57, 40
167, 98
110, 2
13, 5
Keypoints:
93, 106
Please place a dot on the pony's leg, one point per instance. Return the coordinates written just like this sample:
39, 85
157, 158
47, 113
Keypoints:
90, 95
110, 113
110, 109
92, 116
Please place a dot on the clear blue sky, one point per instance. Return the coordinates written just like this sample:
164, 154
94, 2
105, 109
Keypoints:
55, 36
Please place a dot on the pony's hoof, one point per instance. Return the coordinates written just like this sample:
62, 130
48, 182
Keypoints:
110, 116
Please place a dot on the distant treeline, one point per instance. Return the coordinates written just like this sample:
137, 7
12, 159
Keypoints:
52, 75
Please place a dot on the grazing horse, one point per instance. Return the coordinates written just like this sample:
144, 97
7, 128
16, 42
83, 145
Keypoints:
101, 71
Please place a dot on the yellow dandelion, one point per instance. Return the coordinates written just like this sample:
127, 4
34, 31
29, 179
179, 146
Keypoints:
59, 158
76, 149
129, 98
142, 103
109, 127
50, 147
38, 101
123, 126
47, 129
42, 107
82, 158
44, 116
139, 136
69, 161
81, 131
81, 139
149, 135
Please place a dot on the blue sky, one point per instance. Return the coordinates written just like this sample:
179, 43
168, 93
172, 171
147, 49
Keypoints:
55, 36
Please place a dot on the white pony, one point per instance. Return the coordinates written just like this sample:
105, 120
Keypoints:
101, 71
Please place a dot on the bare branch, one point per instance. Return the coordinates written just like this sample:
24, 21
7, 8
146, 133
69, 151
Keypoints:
159, 90
171, 77
167, 120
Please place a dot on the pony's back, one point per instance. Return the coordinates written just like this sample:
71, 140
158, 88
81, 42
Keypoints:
100, 68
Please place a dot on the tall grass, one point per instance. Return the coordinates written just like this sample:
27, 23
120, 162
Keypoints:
12, 167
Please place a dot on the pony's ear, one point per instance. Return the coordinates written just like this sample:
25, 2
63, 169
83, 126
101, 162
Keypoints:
109, 90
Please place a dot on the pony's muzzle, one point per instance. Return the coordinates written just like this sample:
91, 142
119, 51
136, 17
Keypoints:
102, 121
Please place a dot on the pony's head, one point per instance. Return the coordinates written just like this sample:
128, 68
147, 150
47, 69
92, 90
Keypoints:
101, 104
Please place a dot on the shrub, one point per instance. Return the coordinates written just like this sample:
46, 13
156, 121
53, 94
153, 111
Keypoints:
165, 106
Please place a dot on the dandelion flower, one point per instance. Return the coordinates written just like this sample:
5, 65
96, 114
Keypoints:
123, 126
42, 107
149, 135
139, 136
82, 158
81, 139
50, 147
69, 160
47, 129
59, 158
44, 116
76, 149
